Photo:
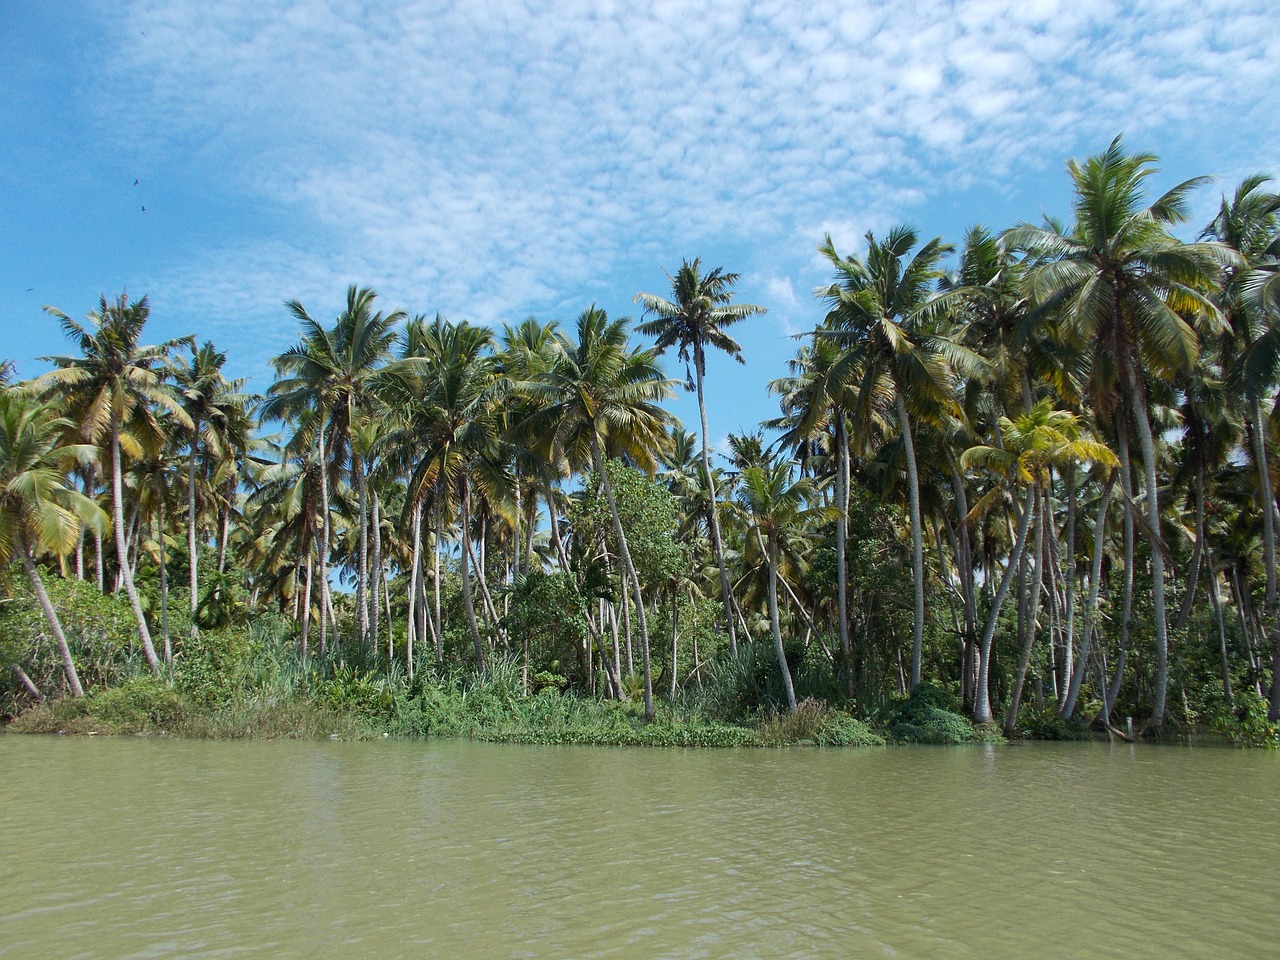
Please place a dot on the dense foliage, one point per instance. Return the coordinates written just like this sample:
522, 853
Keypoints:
1029, 482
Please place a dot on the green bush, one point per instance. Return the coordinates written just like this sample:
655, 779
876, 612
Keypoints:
1048, 724
928, 716
818, 723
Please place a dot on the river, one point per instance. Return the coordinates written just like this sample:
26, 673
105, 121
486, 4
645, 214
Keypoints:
152, 848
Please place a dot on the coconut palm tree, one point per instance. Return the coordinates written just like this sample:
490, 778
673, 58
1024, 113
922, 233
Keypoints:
896, 356
693, 320
39, 511
602, 398
1124, 286
774, 502
212, 402
1028, 446
113, 391
1250, 224
338, 373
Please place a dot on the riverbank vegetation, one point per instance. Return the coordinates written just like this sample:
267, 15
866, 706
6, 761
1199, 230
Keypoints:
1023, 486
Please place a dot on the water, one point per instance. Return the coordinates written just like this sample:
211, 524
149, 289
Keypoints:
131, 848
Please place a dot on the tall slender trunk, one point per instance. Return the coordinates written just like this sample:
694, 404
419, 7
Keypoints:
1029, 627
630, 568
375, 569
193, 558
467, 603
1126, 602
1069, 602
438, 629
415, 575
323, 551
122, 551
51, 616
362, 559
717, 542
1147, 443
917, 538
771, 555
306, 607
1270, 615
675, 638
842, 560
1215, 600
1091, 601
982, 694
164, 586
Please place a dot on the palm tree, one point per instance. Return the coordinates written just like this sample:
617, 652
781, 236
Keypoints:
893, 357
450, 395
1028, 446
600, 398
1250, 224
212, 403
338, 372
774, 504
39, 510
112, 391
1122, 283
692, 321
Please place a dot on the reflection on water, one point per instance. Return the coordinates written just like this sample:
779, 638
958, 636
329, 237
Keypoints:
155, 849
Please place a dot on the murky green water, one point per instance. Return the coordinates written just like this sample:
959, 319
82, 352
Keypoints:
149, 849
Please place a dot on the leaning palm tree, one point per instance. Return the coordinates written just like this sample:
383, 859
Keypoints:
1124, 286
692, 321
893, 357
773, 503
39, 511
113, 391
1027, 448
601, 398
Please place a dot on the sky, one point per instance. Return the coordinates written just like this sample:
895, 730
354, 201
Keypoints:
497, 160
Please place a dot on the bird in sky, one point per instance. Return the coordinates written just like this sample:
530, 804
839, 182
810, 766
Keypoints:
135, 183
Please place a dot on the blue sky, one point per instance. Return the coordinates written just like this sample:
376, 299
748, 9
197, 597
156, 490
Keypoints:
497, 160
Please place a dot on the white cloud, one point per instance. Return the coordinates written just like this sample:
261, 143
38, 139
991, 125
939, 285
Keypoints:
490, 160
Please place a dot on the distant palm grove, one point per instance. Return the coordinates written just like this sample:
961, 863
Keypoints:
1025, 484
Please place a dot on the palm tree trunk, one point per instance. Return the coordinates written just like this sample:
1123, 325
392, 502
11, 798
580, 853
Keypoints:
1126, 602
1147, 443
323, 551
1069, 601
375, 569
362, 560
630, 569
192, 555
164, 587
122, 552
1091, 602
415, 575
467, 603
306, 607
771, 554
675, 638
717, 543
982, 693
842, 552
1270, 615
51, 617
917, 538
1029, 626
438, 628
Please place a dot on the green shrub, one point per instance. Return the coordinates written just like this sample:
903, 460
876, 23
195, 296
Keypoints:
818, 723
928, 716
1048, 724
